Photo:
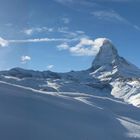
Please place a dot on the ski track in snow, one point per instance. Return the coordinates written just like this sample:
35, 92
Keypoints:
132, 126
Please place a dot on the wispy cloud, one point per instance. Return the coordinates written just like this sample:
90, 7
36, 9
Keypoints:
66, 20
64, 1
79, 5
87, 3
136, 27
50, 67
113, 16
25, 59
63, 46
106, 14
109, 16
71, 34
30, 31
3, 42
35, 40
84, 47
116, 0
65, 33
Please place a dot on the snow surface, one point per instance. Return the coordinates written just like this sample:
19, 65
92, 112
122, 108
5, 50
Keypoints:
29, 114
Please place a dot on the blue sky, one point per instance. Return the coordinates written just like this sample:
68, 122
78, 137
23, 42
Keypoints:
47, 34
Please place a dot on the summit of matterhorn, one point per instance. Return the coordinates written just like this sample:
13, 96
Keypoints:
107, 54
108, 60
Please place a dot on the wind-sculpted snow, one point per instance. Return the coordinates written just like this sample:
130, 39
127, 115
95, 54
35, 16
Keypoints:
29, 114
109, 75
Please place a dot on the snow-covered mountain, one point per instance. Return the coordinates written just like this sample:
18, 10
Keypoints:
123, 76
78, 105
109, 75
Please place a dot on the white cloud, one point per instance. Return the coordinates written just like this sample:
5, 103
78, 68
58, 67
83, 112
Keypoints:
30, 31
70, 37
86, 47
71, 34
109, 15
25, 59
63, 46
63, 29
38, 40
50, 67
66, 20
80, 32
3, 42
67, 33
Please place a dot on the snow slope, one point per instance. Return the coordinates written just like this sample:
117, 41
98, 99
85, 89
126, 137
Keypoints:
29, 114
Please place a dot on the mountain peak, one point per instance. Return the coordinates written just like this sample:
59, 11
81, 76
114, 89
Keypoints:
107, 53
108, 60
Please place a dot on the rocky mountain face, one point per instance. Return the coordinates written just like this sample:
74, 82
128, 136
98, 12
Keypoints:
123, 76
109, 75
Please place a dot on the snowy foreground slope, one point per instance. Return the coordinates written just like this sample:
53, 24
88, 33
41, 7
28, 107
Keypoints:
28, 114
109, 74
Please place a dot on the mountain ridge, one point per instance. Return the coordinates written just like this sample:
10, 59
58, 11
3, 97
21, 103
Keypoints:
109, 75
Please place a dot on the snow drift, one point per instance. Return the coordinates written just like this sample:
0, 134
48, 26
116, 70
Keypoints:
28, 114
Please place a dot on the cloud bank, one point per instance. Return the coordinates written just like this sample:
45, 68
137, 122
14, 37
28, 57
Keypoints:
86, 47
